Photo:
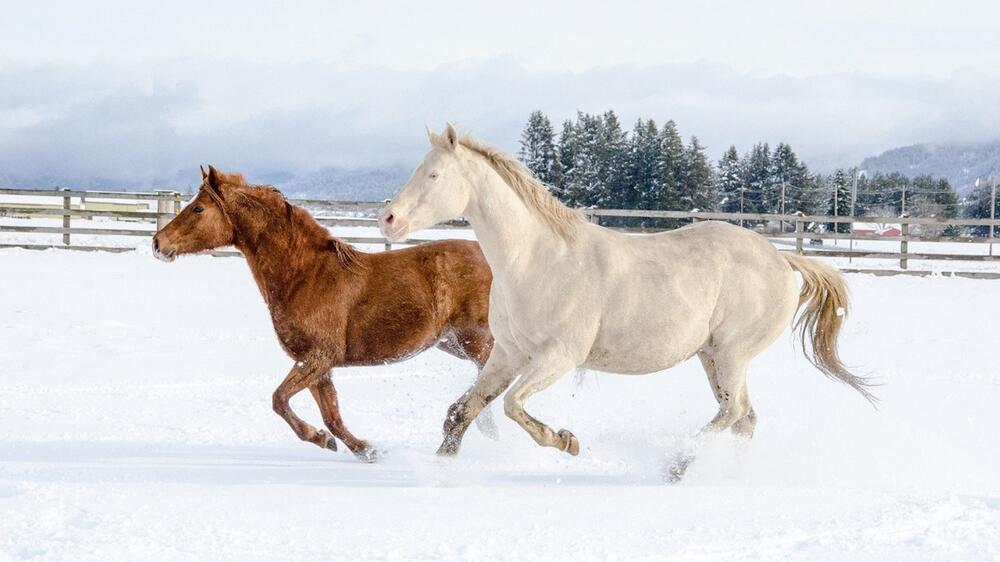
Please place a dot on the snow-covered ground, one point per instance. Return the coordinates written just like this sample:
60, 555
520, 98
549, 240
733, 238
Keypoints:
135, 424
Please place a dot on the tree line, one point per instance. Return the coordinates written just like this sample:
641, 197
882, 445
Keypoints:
594, 162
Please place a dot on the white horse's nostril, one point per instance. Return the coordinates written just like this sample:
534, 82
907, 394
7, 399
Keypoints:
389, 218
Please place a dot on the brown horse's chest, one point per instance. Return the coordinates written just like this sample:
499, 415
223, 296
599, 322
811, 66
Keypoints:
305, 333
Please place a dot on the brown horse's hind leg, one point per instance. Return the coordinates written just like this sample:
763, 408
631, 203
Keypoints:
301, 376
326, 398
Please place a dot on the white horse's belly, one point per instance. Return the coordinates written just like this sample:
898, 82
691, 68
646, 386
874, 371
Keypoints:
633, 344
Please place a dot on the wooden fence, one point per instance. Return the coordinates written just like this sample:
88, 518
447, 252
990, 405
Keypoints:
793, 229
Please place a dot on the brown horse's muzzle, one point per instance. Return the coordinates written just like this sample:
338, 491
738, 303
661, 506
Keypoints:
163, 251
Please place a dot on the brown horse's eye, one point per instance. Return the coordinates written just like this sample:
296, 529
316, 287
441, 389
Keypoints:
199, 209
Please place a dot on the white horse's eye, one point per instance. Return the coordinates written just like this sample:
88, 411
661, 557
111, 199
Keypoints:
434, 175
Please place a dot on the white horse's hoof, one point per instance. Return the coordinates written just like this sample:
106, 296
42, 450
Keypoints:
571, 444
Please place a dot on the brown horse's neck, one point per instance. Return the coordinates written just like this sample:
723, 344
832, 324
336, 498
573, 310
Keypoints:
283, 243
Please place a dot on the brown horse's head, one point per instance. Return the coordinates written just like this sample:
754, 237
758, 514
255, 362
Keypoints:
204, 223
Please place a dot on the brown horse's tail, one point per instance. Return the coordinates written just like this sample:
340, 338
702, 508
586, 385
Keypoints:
823, 305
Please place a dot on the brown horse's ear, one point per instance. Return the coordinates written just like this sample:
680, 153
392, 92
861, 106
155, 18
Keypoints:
204, 174
215, 179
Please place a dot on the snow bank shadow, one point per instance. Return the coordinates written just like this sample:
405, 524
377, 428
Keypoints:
296, 464
182, 463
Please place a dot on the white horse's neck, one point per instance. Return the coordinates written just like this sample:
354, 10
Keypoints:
510, 234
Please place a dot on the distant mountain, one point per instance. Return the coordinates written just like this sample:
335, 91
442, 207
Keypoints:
339, 184
347, 184
961, 164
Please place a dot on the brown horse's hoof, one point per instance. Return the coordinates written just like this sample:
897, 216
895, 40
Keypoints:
571, 444
331, 443
368, 454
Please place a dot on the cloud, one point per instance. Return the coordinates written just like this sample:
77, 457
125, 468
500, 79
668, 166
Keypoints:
150, 125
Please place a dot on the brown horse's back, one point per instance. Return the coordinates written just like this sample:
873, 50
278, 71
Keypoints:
432, 294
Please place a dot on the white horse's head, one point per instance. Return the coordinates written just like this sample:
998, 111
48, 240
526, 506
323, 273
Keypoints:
437, 191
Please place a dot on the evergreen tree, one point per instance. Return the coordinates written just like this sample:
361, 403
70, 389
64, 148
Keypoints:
566, 182
729, 181
839, 200
643, 160
811, 198
612, 170
758, 179
881, 194
587, 162
538, 150
695, 187
790, 182
977, 206
930, 197
670, 162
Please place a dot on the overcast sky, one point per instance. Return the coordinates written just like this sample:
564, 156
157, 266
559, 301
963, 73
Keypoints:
129, 90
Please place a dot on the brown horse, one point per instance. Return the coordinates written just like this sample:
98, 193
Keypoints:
331, 304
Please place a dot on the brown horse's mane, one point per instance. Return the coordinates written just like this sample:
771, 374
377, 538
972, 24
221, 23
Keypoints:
272, 201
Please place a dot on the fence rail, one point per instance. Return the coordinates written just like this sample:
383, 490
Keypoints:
169, 203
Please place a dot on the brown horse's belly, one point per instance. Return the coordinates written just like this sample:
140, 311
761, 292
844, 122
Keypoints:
380, 348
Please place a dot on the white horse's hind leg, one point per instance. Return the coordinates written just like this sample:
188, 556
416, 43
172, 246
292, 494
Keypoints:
730, 388
743, 426
539, 375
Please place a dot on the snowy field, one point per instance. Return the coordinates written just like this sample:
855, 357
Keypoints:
135, 423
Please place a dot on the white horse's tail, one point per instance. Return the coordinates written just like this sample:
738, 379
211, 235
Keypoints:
823, 306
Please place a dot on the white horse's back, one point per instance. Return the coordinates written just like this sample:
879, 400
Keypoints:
672, 293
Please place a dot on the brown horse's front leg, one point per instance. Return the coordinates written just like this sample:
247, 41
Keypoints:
302, 375
326, 398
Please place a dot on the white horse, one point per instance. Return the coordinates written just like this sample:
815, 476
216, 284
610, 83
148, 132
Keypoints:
567, 293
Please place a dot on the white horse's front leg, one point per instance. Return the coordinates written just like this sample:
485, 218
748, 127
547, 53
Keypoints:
495, 377
545, 369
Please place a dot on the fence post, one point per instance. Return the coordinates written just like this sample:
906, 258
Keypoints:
177, 203
595, 218
67, 200
905, 230
388, 245
799, 230
993, 209
164, 205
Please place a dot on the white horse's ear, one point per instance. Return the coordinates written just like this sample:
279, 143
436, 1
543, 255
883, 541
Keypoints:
430, 133
451, 136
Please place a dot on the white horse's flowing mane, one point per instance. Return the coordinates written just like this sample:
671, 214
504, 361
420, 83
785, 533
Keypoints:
563, 220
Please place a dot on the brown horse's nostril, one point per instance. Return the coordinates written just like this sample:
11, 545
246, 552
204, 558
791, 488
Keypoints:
388, 218
156, 245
